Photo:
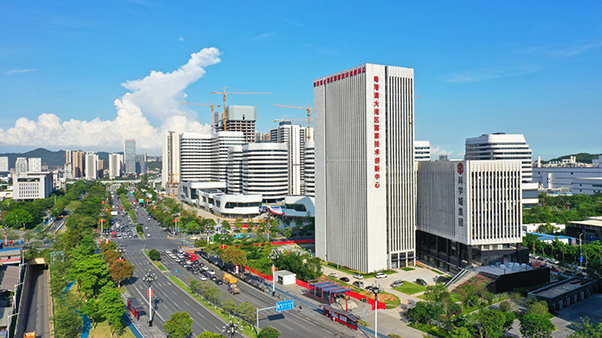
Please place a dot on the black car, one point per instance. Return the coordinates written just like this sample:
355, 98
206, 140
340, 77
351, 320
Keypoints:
369, 288
421, 281
344, 279
219, 282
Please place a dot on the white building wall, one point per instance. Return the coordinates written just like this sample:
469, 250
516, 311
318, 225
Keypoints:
422, 151
195, 157
558, 177
293, 135
170, 159
309, 171
21, 166
31, 186
34, 164
221, 141
4, 164
234, 172
365, 184
91, 166
264, 170
588, 186
115, 165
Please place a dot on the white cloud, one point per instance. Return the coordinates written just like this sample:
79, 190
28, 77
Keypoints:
180, 39
157, 95
491, 73
435, 152
20, 70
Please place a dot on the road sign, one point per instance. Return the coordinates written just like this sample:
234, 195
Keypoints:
581, 259
285, 305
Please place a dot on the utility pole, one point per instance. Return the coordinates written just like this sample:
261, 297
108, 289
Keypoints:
274, 256
150, 277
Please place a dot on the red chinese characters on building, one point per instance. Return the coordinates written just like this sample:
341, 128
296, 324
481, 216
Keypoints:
341, 76
376, 107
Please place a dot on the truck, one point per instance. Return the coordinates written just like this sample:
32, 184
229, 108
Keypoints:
229, 279
233, 289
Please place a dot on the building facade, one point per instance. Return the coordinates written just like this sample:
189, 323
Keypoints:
79, 164
4, 164
294, 136
264, 170
91, 166
32, 186
34, 164
502, 146
422, 151
129, 156
239, 118
309, 171
234, 171
141, 163
365, 182
115, 165
21, 166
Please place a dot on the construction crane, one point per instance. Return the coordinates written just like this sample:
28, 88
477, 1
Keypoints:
309, 109
204, 104
173, 184
225, 93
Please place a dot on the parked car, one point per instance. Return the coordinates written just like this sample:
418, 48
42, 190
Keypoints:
421, 281
344, 279
369, 288
333, 274
358, 276
380, 275
397, 283
358, 284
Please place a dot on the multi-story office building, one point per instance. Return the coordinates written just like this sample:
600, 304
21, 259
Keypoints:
234, 171
469, 213
422, 151
221, 142
502, 146
264, 170
239, 118
129, 156
310, 168
21, 166
141, 163
68, 164
262, 137
293, 135
4, 164
79, 164
34, 164
365, 181
195, 157
32, 185
115, 165
91, 166
171, 159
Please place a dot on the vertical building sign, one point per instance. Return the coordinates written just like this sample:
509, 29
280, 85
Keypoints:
461, 193
376, 98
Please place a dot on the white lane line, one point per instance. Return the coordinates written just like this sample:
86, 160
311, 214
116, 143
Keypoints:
172, 291
200, 314
186, 303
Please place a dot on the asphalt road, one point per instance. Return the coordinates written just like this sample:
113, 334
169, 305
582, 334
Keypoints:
38, 311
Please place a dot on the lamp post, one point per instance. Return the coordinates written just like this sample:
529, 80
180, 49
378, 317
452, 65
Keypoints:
375, 290
230, 329
121, 250
274, 256
150, 277
580, 250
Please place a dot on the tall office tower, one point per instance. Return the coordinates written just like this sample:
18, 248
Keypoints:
68, 164
264, 170
239, 118
195, 157
221, 141
422, 151
171, 159
262, 137
141, 163
34, 164
91, 166
115, 165
501, 146
234, 170
100, 167
365, 181
293, 135
310, 168
79, 165
129, 156
4, 164
21, 166
469, 213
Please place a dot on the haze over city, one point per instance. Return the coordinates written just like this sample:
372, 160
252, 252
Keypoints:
88, 76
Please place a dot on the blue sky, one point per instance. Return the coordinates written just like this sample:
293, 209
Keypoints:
86, 75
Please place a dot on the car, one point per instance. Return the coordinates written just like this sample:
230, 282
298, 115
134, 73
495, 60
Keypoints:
421, 281
380, 275
397, 283
333, 274
358, 284
201, 277
205, 267
358, 276
344, 279
219, 282
211, 272
369, 287
213, 278
146, 228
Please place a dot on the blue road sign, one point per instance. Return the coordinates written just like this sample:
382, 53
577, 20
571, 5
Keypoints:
285, 305
176, 271
581, 259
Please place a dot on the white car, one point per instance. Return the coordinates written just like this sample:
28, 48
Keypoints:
358, 276
211, 272
380, 275
201, 277
333, 274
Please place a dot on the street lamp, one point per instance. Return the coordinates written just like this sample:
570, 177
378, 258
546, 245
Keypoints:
150, 277
121, 250
580, 251
375, 290
274, 256
230, 329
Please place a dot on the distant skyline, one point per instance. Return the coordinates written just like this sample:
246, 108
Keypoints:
88, 76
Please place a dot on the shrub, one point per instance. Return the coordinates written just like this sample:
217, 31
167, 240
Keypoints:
154, 255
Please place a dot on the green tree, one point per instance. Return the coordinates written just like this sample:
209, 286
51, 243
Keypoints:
209, 334
247, 311
425, 312
234, 255
121, 270
586, 329
229, 305
90, 273
492, 323
17, 218
539, 307
535, 325
194, 227
268, 332
111, 306
179, 325
460, 332
226, 225
288, 233
154, 254
67, 322
437, 294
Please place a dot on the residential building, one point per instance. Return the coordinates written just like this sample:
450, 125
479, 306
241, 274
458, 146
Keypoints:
21, 166
170, 173
469, 213
141, 163
79, 164
195, 157
100, 169
422, 151
265, 171
4, 164
309, 178
294, 136
34, 164
32, 186
262, 137
115, 165
68, 164
129, 156
91, 166
365, 181
239, 118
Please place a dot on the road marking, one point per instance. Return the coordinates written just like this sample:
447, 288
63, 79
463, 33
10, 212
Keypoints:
172, 291
200, 314
186, 303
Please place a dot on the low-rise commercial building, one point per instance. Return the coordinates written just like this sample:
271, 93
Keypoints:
562, 294
300, 206
229, 206
31, 186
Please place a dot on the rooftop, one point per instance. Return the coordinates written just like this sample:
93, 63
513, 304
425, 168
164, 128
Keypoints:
559, 288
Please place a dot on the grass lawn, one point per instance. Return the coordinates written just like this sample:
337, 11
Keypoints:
247, 330
132, 215
160, 266
408, 269
103, 330
410, 288
386, 272
430, 329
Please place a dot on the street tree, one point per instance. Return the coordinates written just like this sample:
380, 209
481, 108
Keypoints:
194, 227
111, 306
535, 325
234, 255
268, 332
154, 254
18, 218
90, 273
229, 305
179, 325
247, 311
121, 270
107, 247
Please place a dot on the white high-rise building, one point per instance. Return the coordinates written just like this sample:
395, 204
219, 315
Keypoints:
469, 212
115, 165
365, 180
264, 170
422, 151
4, 164
91, 166
234, 171
68, 164
195, 157
171, 159
129, 156
21, 166
293, 135
221, 141
501, 146
34, 164
310, 168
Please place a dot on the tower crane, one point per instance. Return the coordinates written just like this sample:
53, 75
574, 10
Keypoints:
309, 109
226, 93
204, 104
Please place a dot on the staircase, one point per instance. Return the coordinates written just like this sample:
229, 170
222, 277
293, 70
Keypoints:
461, 276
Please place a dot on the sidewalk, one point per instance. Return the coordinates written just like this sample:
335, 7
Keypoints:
142, 324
